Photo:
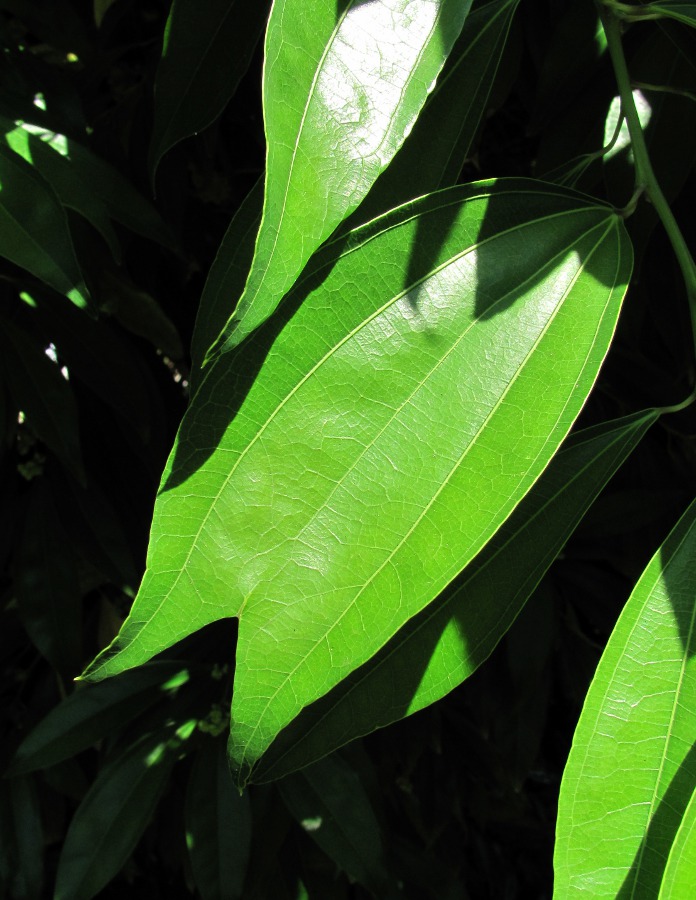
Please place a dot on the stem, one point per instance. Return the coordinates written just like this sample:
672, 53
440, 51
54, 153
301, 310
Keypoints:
645, 176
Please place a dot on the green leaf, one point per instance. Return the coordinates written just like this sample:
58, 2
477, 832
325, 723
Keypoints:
46, 581
93, 711
681, 10
433, 154
218, 825
308, 500
48, 152
111, 819
206, 51
330, 803
226, 279
343, 85
34, 229
678, 880
431, 157
437, 650
632, 767
41, 392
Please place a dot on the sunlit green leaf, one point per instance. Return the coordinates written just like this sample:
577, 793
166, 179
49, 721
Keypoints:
431, 157
206, 51
34, 228
441, 647
680, 871
632, 767
343, 85
309, 500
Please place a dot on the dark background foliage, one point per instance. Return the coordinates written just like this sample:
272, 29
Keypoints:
464, 792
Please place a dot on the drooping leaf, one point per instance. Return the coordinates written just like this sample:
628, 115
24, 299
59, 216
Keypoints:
343, 85
444, 645
46, 581
308, 500
206, 51
430, 158
681, 10
218, 826
40, 391
678, 880
48, 152
92, 712
112, 817
632, 767
34, 229
330, 803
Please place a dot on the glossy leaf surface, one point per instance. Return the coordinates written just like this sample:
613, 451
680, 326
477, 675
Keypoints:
34, 229
680, 871
431, 157
342, 475
632, 767
343, 85
206, 51
438, 649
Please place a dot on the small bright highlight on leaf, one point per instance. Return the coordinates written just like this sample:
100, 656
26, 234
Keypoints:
177, 680
312, 824
39, 101
624, 139
28, 299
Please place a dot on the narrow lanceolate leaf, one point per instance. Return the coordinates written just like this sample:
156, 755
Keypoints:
92, 712
681, 10
330, 803
678, 880
343, 482
343, 84
431, 157
631, 770
207, 48
436, 650
34, 228
218, 826
112, 817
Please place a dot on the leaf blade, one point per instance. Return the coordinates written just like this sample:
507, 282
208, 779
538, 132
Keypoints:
335, 114
635, 734
336, 412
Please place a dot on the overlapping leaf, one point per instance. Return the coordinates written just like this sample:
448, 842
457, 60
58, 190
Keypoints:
431, 157
632, 768
34, 228
682, 10
206, 51
438, 649
343, 85
333, 498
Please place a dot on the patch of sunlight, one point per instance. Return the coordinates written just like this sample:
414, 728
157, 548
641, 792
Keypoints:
28, 299
176, 681
312, 823
612, 121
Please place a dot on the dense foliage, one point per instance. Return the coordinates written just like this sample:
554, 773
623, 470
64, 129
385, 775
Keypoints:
347, 368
